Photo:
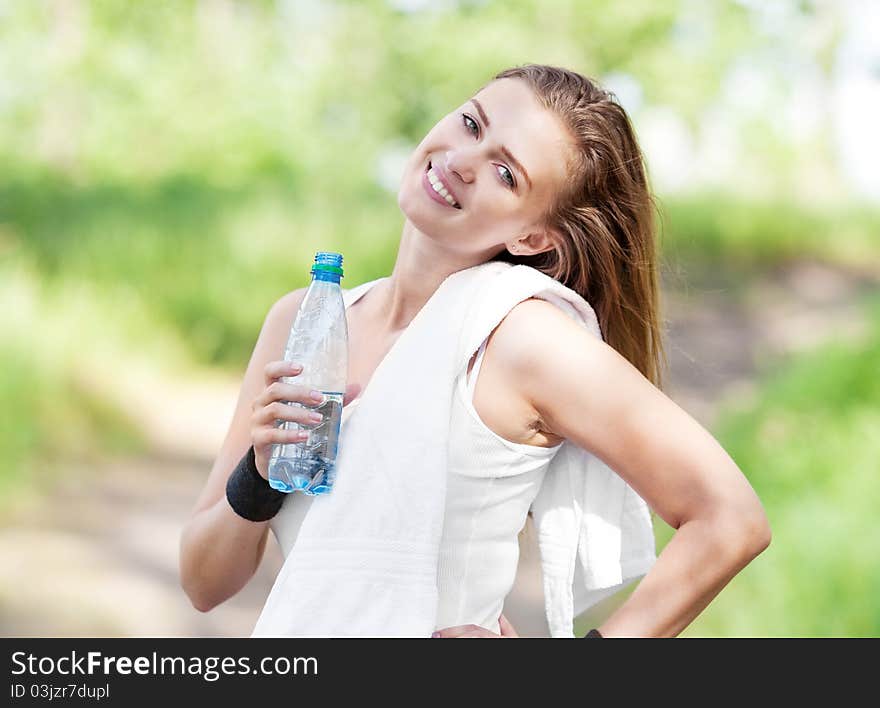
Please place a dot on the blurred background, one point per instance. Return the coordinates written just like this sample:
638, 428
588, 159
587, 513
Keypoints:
167, 171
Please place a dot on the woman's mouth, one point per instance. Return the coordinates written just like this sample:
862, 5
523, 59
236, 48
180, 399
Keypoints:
435, 189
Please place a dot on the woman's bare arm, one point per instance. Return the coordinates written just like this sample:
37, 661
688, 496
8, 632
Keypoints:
588, 393
219, 550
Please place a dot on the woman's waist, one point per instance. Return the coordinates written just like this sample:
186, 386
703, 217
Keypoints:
472, 582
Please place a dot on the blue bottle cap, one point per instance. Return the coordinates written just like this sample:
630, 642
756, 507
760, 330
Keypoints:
328, 261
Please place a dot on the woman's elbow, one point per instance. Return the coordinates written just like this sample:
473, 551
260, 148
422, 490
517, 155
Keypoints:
194, 590
762, 533
199, 603
202, 605
198, 592
755, 534
192, 581
742, 533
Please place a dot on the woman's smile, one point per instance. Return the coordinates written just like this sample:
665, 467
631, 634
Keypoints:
432, 192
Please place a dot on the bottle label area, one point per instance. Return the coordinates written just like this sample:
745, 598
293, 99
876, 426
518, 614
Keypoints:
309, 466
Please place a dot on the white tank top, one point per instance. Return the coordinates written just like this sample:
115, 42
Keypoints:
490, 486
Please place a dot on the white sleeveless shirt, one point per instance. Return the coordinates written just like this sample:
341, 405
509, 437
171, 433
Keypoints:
491, 484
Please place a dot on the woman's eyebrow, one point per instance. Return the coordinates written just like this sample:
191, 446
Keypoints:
504, 150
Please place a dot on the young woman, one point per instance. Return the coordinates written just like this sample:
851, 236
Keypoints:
540, 167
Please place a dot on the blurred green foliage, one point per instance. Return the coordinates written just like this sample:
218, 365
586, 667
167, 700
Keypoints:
749, 236
48, 422
809, 446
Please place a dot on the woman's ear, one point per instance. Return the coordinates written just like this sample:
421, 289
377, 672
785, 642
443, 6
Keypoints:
537, 241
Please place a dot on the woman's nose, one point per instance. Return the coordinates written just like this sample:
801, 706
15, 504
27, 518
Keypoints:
461, 164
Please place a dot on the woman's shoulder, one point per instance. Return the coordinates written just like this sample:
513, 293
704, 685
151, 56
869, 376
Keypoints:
530, 327
290, 300
499, 397
276, 325
545, 289
531, 332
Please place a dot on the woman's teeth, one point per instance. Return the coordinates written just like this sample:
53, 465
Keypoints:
440, 189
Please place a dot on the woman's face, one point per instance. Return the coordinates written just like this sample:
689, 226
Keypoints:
501, 157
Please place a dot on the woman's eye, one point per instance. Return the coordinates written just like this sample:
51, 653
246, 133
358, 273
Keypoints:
510, 181
468, 121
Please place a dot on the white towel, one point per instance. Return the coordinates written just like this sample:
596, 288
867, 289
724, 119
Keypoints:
365, 559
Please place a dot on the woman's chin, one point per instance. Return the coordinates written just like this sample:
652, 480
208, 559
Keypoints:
403, 200
416, 208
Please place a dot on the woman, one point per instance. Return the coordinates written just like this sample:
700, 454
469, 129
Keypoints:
541, 168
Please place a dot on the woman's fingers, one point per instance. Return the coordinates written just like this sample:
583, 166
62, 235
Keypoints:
270, 414
287, 393
264, 438
274, 405
277, 390
507, 629
276, 369
475, 631
459, 630
280, 391
270, 407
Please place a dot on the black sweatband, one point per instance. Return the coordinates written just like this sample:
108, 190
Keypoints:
249, 495
593, 634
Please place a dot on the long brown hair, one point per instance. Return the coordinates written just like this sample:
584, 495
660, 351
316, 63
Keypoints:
606, 215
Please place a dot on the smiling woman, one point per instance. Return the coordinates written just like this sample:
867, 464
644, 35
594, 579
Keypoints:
516, 344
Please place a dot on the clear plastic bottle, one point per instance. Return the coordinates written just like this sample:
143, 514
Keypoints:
319, 341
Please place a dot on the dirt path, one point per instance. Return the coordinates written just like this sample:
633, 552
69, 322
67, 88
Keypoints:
97, 555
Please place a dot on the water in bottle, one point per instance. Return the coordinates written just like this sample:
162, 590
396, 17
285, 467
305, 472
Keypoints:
319, 342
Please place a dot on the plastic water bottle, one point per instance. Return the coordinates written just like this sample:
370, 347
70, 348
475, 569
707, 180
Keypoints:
319, 341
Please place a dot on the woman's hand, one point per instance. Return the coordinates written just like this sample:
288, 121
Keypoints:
271, 406
474, 631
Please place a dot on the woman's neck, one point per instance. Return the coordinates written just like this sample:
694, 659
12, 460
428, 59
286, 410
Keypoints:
420, 268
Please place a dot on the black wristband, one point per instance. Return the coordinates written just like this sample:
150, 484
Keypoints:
593, 634
249, 495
